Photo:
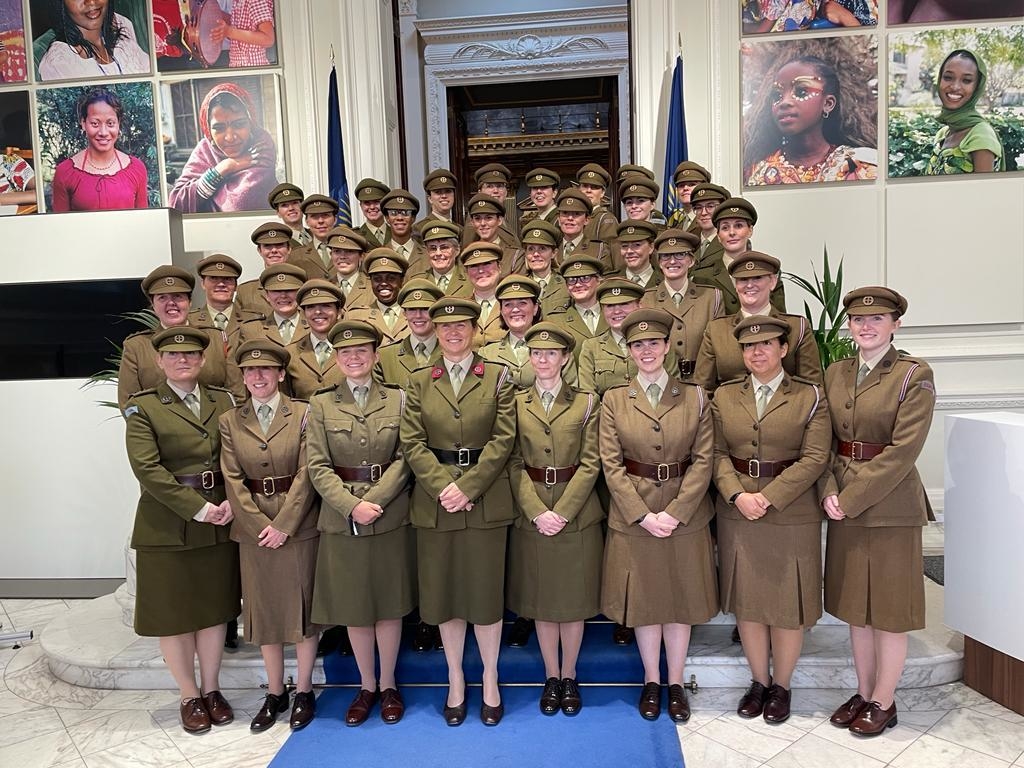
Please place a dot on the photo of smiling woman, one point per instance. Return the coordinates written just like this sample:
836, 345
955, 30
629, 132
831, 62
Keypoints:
809, 111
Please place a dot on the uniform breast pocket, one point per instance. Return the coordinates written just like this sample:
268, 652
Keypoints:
385, 430
339, 431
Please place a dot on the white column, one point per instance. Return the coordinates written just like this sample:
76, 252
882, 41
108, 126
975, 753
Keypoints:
412, 74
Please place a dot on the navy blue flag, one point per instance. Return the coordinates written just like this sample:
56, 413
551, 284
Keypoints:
675, 141
337, 182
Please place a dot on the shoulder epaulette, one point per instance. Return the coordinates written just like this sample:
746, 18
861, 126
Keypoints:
143, 332
150, 391
906, 381
324, 390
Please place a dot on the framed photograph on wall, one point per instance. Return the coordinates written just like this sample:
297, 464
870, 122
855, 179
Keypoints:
17, 162
97, 147
956, 101
75, 40
761, 16
13, 61
931, 11
810, 110
222, 139
214, 34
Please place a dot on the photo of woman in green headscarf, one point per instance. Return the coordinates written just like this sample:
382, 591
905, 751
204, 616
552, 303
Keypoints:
966, 142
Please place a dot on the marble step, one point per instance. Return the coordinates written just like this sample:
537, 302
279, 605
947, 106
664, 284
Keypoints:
91, 646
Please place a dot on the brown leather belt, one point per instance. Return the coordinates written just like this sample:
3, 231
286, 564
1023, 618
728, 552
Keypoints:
687, 367
460, 457
204, 481
269, 486
659, 472
551, 475
859, 450
758, 468
368, 474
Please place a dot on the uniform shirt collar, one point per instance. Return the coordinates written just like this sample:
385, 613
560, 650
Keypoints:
181, 393
874, 360
773, 385
661, 381
273, 402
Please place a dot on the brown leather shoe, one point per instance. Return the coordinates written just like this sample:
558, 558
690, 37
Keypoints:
752, 703
551, 696
848, 712
873, 719
360, 707
623, 635
303, 710
273, 705
776, 704
678, 706
650, 701
392, 707
194, 717
571, 702
491, 715
218, 707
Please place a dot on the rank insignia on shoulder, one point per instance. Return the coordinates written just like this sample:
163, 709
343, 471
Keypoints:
165, 399
130, 410
436, 372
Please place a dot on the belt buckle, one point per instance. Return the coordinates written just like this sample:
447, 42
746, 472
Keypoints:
207, 479
686, 367
754, 468
375, 472
550, 476
667, 469
857, 450
269, 486
463, 457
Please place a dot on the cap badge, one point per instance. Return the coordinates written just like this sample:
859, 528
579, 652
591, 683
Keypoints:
442, 179
671, 241
434, 230
616, 291
538, 177
346, 334
755, 329
481, 203
168, 281
384, 261
535, 233
417, 295
750, 265
476, 253
868, 301
591, 174
219, 266
544, 335
272, 233
630, 230
399, 199
643, 326
256, 354
282, 277
734, 209
314, 291
286, 193
449, 309
179, 338
633, 187
515, 287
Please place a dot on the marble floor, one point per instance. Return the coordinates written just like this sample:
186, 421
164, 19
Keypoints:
47, 722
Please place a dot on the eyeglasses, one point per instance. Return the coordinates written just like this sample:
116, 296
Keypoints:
675, 256
705, 207
579, 280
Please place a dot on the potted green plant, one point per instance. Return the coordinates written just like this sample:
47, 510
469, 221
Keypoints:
829, 330
144, 318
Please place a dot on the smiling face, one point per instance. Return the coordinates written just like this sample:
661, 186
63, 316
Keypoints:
87, 15
636, 254
455, 339
496, 189
320, 223
538, 258
220, 291
442, 254
798, 99
171, 308
356, 362
283, 302
419, 321
346, 260
593, 192
755, 292
675, 266
518, 314
101, 127
703, 209
583, 289
614, 314
764, 358
400, 222
484, 277
321, 317
571, 223
385, 286
441, 200
273, 253
542, 197
638, 208
181, 368
290, 213
872, 333
734, 235
486, 225
683, 190
262, 380
649, 355
958, 81
230, 130
372, 212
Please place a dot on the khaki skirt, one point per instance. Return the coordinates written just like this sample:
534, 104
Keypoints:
875, 576
659, 581
277, 591
186, 590
461, 574
770, 574
361, 580
555, 578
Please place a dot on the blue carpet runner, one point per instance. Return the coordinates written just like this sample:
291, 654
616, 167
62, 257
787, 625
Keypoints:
607, 732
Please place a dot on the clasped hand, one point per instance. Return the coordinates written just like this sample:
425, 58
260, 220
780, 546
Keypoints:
272, 538
366, 512
549, 523
659, 524
832, 508
219, 514
752, 506
453, 499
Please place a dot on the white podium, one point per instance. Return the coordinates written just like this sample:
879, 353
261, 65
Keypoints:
984, 544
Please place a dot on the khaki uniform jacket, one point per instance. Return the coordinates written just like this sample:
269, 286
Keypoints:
139, 371
340, 434
308, 259
721, 359
593, 248
710, 270
522, 373
489, 330
681, 428
361, 294
573, 322
483, 415
566, 436
893, 405
246, 453
551, 217
458, 283
367, 233
375, 317
266, 328
554, 297
602, 225
200, 318
250, 297
304, 375
795, 425
604, 365
165, 439
396, 362
416, 255
700, 305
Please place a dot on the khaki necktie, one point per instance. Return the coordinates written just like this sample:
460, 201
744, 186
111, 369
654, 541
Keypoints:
485, 310
637, 279
546, 399
761, 401
654, 395
421, 353
590, 318
543, 285
402, 251
346, 286
677, 298
521, 351
323, 353
220, 320
390, 317
325, 255
287, 330
193, 403
361, 395
623, 346
569, 248
442, 282
456, 376
862, 373
264, 415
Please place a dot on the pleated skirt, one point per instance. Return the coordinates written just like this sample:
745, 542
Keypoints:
277, 591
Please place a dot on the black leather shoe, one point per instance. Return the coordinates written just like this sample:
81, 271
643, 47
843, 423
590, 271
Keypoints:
623, 635
776, 705
572, 702
455, 715
329, 641
273, 705
423, 637
678, 706
650, 701
491, 715
752, 703
551, 698
303, 710
519, 634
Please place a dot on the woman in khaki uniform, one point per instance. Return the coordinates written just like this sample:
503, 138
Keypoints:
311, 364
264, 463
772, 441
605, 361
457, 433
881, 404
556, 544
720, 358
365, 575
186, 565
656, 448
